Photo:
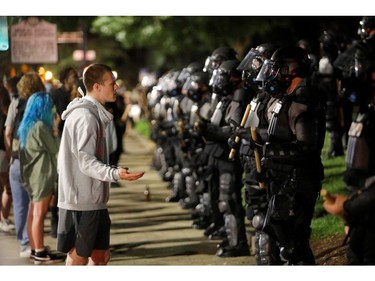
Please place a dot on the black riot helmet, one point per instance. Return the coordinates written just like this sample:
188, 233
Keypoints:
195, 85
252, 63
285, 64
217, 57
226, 78
365, 25
328, 44
188, 70
168, 83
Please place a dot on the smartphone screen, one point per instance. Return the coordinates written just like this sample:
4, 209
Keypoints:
4, 38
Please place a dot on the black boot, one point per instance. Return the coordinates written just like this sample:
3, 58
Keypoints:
241, 249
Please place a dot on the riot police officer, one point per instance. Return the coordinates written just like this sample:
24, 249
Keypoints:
266, 252
326, 79
357, 209
197, 90
292, 162
225, 176
212, 63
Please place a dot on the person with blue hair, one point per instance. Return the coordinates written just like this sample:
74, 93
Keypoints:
28, 84
38, 157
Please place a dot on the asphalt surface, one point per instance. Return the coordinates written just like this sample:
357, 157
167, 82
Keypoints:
143, 233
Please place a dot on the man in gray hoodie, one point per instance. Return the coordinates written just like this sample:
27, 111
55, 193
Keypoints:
84, 175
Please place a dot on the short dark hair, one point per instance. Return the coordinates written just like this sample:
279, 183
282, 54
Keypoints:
12, 83
94, 74
65, 72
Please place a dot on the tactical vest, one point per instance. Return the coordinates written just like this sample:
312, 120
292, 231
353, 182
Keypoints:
360, 152
279, 128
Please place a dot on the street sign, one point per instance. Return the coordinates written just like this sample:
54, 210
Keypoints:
4, 40
34, 41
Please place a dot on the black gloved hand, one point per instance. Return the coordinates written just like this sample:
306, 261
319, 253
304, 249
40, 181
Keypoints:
232, 143
243, 133
260, 177
200, 126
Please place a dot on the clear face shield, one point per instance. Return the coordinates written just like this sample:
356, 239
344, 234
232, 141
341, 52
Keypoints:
247, 62
173, 88
211, 64
214, 78
220, 82
206, 64
188, 85
250, 67
191, 89
184, 74
267, 72
153, 96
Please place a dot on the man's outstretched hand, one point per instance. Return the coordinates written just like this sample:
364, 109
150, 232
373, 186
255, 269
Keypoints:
125, 175
336, 205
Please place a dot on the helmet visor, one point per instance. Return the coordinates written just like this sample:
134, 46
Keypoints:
267, 72
189, 85
252, 60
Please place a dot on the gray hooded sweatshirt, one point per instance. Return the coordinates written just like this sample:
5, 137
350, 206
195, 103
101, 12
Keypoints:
84, 175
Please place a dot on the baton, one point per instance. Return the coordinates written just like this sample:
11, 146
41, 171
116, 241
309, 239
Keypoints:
243, 122
254, 137
326, 195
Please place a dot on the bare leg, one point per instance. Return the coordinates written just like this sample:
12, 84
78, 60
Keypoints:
6, 196
29, 224
39, 214
73, 258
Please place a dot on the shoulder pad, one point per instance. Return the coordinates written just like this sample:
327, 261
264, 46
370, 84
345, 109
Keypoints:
239, 95
305, 94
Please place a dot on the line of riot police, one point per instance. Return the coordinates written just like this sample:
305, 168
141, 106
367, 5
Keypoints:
229, 132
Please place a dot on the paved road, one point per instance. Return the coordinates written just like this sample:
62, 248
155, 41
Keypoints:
143, 233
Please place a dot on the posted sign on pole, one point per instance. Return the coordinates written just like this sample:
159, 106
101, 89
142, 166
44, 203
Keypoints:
34, 41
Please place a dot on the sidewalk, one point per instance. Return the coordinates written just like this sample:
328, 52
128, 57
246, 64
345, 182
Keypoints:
143, 232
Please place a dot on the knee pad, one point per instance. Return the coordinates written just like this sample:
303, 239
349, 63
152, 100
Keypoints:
231, 228
258, 221
186, 171
225, 186
190, 184
223, 207
100, 257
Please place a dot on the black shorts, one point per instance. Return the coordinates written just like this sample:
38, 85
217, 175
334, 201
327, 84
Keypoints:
84, 230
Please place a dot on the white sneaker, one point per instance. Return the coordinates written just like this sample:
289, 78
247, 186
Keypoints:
6, 225
25, 251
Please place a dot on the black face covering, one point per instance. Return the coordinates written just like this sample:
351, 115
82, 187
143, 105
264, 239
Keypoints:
249, 79
276, 87
194, 94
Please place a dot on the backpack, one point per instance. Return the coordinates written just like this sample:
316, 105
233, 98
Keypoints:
15, 142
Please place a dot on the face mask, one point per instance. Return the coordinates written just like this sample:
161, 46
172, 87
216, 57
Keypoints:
276, 87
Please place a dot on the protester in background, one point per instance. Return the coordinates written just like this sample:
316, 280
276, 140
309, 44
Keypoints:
28, 84
38, 158
117, 109
5, 192
66, 92
61, 98
84, 175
